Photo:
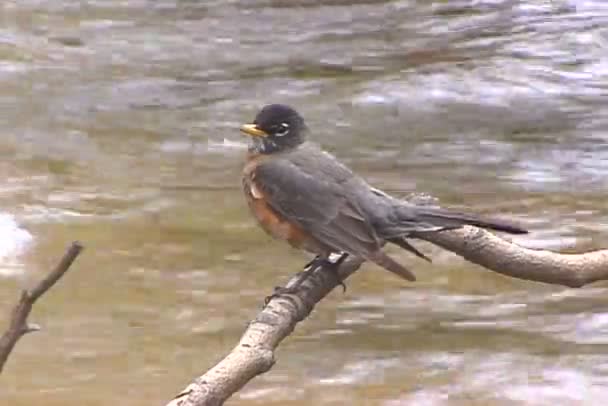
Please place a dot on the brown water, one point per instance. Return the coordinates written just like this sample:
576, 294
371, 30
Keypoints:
119, 129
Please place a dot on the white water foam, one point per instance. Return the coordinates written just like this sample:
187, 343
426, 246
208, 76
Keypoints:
14, 241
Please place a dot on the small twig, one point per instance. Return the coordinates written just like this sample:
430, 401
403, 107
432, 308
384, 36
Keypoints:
19, 326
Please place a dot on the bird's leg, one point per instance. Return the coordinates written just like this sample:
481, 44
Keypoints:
309, 269
334, 267
314, 261
324, 263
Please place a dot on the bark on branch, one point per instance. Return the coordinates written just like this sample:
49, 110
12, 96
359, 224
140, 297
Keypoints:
504, 257
18, 325
254, 354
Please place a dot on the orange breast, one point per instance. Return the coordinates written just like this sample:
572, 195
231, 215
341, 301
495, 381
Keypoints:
273, 223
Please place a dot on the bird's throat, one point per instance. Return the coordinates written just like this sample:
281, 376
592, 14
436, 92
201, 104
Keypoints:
260, 145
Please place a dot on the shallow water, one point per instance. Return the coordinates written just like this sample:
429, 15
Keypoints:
120, 130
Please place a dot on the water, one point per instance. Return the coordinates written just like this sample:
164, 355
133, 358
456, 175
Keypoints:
120, 130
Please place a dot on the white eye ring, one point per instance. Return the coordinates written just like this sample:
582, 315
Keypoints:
284, 131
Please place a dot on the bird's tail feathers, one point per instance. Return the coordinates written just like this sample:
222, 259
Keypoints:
386, 262
401, 242
450, 219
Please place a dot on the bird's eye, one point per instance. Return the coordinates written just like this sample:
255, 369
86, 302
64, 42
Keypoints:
281, 129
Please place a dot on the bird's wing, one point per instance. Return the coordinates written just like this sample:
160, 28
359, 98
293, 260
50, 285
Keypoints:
317, 204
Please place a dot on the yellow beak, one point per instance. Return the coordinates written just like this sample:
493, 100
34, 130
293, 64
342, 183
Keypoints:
253, 130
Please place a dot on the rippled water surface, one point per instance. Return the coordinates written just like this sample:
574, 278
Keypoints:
119, 128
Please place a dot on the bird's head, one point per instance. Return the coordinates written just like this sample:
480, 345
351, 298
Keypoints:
276, 128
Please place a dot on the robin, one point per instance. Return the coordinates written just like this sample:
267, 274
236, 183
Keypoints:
304, 195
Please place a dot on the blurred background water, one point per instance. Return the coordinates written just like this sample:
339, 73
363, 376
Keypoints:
119, 128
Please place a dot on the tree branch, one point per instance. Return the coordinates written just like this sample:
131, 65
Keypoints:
19, 326
504, 257
254, 354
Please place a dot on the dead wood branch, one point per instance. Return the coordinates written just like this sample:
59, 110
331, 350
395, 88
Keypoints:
502, 256
18, 325
254, 354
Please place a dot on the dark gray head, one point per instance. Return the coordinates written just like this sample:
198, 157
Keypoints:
276, 128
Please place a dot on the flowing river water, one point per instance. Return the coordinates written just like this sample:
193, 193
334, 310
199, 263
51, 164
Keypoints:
119, 128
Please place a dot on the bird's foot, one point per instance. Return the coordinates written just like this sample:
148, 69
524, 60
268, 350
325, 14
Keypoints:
315, 263
309, 268
293, 288
333, 267
278, 291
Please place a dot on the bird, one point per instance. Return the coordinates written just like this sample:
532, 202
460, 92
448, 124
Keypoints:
304, 195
